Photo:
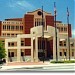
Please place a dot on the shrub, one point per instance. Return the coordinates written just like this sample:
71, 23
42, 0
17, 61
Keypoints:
67, 61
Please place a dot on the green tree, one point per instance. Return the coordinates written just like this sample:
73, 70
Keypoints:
2, 51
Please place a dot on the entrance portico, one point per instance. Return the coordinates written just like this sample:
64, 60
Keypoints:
35, 34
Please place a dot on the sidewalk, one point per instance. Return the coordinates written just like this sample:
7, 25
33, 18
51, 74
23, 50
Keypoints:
37, 65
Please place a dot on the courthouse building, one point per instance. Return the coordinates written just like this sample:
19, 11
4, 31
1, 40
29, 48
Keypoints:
22, 38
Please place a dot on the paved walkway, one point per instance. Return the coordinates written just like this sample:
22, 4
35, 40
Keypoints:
26, 63
40, 66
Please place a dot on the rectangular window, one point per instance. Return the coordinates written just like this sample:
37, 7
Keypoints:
12, 44
61, 29
8, 27
64, 43
60, 43
72, 52
12, 27
8, 44
65, 29
3, 27
65, 53
17, 27
8, 35
12, 54
72, 44
22, 53
60, 53
21, 27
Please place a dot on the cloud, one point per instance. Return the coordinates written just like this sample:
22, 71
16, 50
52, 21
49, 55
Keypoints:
73, 33
23, 4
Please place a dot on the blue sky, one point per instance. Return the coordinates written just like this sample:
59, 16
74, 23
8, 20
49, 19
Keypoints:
17, 8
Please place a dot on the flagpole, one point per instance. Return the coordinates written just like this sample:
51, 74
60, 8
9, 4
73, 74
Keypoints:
43, 35
68, 31
55, 29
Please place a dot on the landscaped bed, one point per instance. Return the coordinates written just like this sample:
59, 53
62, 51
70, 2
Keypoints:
67, 61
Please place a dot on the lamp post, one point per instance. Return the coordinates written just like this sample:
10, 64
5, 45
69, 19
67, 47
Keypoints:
68, 32
43, 34
55, 29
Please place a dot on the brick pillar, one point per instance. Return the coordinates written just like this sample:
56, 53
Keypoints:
28, 23
50, 21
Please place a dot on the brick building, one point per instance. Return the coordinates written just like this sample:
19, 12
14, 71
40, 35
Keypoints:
22, 38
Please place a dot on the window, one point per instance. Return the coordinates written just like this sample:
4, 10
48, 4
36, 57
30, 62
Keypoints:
38, 22
72, 44
12, 44
12, 27
8, 44
72, 52
60, 53
22, 53
17, 27
64, 43
61, 29
12, 35
8, 27
3, 27
60, 43
65, 29
8, 35
65, 53
12, 54
22, 44
21, 27
9, 54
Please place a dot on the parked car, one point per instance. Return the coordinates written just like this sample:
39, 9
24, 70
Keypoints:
2, 61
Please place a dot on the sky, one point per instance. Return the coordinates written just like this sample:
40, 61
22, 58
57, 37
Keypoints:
17, 9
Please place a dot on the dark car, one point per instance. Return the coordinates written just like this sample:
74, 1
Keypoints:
2, 61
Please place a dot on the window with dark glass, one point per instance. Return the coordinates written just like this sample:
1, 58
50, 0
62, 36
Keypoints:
8, 44
65, 29
61, 29
22, 53
9, 54
21, 27
17, 27
12, 27
60, 53
8, 34
65, 53
60, 43
64, 43
72, 44
3, 26
12, 54
12, 44
72, 52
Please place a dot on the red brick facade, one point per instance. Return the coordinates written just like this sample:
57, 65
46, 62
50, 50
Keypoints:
27, 41
50, 20
50, 48
27, 52
28, 23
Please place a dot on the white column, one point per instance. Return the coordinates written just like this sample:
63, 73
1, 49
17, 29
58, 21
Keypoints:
36, 49
58, 51
6, 48
67, 50
54, 48
32, 60
18, 49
